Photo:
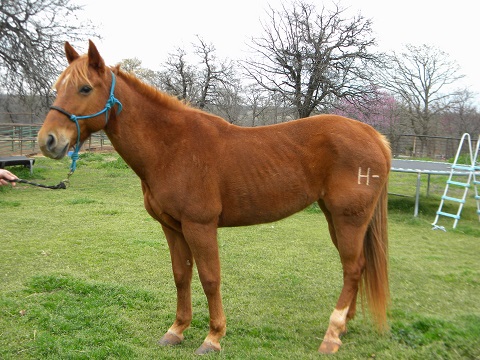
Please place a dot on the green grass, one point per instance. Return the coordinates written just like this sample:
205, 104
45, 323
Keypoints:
85, 274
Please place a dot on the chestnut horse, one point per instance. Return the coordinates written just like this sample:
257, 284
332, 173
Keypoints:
198, 172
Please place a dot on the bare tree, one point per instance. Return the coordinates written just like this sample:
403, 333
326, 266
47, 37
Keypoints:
313, 58
214, 75
229, 102
421, 76
258, 103
178, 78
32, 34
204, 84
134, 66
463, 117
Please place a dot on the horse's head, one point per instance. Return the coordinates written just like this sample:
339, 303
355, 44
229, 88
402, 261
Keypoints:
83, 89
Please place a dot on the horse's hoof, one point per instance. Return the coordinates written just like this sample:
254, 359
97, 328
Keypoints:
170, 339
329, 347
207, 348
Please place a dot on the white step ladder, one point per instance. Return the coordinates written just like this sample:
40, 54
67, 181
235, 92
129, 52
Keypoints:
469, 169
476, 180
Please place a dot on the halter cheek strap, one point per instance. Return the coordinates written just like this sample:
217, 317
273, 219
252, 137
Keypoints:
112, 100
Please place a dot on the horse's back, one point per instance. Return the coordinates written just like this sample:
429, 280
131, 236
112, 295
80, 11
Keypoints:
274, 171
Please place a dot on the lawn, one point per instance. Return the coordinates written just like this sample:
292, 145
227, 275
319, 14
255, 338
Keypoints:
85, 274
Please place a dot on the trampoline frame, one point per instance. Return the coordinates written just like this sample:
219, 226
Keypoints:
420, 167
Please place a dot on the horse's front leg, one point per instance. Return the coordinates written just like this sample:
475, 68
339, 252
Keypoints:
182, 265
202, 239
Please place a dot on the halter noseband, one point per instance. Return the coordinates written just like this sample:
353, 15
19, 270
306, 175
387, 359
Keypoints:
112, 100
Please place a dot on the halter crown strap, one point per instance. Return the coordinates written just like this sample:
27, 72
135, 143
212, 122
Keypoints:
111, 101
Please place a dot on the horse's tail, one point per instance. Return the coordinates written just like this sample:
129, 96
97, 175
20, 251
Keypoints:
375, 276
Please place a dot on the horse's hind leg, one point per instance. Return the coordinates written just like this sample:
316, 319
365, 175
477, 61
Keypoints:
349, 239
182, 265
328, 216
333, 235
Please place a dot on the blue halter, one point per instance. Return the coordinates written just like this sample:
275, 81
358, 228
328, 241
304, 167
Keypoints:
112, 100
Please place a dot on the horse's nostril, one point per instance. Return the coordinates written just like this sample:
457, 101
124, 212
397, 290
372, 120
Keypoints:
51, 142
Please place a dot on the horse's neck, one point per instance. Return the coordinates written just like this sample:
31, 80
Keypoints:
152, 125
130, 132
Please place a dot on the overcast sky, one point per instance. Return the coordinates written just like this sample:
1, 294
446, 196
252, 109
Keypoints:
149, 30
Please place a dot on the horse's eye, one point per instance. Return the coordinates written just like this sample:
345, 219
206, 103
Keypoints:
85, 89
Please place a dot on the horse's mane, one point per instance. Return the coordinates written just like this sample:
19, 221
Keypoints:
77, 73
149, 91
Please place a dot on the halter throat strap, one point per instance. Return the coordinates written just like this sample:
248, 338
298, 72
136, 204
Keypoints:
111, 101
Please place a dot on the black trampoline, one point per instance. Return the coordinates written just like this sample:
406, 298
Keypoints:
420, 167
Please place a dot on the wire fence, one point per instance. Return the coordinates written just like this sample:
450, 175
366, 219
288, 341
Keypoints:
21, 139
428, 147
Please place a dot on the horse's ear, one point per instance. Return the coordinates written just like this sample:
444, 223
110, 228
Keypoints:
70, 52
94, 58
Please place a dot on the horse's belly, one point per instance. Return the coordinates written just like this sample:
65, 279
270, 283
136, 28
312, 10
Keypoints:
262, 210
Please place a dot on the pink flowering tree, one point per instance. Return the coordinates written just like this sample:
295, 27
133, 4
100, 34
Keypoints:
382, 111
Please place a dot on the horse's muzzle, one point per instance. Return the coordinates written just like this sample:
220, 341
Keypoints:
53, 146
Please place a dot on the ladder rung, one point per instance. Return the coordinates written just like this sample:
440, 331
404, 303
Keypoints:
453, 199
458, 183
463, 167
448, 215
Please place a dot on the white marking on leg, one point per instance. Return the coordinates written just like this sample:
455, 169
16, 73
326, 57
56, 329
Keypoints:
337, 326
339, 316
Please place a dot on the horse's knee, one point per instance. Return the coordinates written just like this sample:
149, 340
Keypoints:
211, 286
182, 274
182, 281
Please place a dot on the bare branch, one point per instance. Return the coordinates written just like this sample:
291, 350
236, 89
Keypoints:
312, 58
420, 76
32, 34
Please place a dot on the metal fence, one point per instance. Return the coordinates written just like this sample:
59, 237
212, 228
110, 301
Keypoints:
21, 139
431, 147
